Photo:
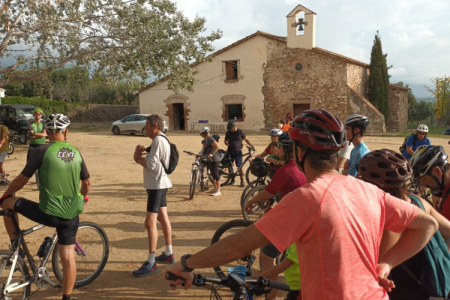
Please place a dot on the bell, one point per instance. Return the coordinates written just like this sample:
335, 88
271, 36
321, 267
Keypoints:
300, 27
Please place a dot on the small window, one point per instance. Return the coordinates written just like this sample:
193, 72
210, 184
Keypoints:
231, 68
234, 112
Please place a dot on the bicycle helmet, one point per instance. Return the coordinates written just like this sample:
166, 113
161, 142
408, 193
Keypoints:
57, 122
204, 130
38, 110
275, 132
356, 121
423, 128
216, 137
231, 124
385, 168
319, 131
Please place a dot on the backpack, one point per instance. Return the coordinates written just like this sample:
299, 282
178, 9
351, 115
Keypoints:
173, 159
403, 146
434, 278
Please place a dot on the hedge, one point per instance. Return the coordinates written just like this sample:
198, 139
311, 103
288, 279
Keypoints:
48, 106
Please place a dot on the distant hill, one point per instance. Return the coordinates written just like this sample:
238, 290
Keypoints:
426, 99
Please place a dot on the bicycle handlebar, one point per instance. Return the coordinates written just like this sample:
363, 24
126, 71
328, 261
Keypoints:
192, 154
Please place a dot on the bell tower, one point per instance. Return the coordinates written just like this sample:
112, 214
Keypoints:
301, 28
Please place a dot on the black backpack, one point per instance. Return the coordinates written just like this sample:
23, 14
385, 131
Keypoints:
173, 160
403, 146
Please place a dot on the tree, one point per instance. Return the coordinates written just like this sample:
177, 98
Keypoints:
442, 93
121, 38
379, 79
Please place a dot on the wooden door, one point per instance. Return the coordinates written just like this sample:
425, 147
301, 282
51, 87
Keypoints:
299, 108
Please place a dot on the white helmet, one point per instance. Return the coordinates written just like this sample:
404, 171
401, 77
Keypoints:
57, 122
204, 130
275, 132
422, 127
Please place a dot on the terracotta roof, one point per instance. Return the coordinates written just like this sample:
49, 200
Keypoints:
398, 87
258, 33
342, 57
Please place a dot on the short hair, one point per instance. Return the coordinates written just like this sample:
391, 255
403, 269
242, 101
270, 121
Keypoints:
316, 161
156, 120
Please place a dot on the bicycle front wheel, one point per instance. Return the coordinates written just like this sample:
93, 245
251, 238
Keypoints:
193, 183
11, 148
20, 274
258, 209
250, 261
250, 186
91, 254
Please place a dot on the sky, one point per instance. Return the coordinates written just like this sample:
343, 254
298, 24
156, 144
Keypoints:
414, 33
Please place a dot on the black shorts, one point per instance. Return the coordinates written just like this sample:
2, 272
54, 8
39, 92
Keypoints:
156, 199
270, 250
293, 295
236, 156
66, 229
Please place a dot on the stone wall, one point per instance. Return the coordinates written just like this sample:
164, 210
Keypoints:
321, 83
398, 108
101, 113
357, 77
358, 104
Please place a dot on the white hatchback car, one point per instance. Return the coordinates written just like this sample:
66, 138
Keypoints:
132, 124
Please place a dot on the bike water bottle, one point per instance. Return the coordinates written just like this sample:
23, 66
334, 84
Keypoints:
45, 247
239, 271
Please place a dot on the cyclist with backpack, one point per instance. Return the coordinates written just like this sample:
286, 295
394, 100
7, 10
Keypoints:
355, 125
287, 179
337, 237
390, 171
431, 168
157, 183
233, 139
211, 152
414, 141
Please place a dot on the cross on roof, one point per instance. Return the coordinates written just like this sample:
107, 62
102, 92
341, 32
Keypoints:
300, 24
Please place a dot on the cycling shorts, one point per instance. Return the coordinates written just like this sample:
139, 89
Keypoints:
270, 250
66, 229
236, 156
3, 156
294, 295
156, 199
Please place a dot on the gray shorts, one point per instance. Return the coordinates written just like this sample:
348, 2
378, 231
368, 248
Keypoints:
3, 156
270, 250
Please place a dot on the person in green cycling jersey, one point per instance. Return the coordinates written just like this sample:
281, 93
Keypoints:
61, 168
37, 132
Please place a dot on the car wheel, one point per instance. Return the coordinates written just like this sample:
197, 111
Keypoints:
144, 132
23, 137
116, 130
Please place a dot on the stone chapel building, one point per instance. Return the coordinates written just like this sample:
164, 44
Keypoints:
260, 78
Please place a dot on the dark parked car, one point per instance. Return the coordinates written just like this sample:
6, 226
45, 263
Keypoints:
18, 118
447, 131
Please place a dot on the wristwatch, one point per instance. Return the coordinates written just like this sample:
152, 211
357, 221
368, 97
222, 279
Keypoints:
184, 265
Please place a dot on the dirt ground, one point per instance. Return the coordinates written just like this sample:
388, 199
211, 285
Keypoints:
118, 204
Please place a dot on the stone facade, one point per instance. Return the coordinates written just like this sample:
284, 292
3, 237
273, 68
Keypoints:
173, 99
398, 108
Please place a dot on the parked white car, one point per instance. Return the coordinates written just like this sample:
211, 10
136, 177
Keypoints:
132, 124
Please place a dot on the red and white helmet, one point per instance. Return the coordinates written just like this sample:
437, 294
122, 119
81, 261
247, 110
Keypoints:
275, 132
319, 130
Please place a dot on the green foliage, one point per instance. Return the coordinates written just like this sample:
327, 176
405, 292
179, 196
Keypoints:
48, 106
121, 39
442, 93
378, 83
417, 110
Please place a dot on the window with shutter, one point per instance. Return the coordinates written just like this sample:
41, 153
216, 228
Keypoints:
231, 70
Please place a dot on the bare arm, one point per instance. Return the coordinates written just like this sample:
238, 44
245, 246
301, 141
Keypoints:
278, 269
248, 142
262, 196
3, 140
224, 251
341, 162
409, 150
85, 186
17, 184
262, 155
39, 135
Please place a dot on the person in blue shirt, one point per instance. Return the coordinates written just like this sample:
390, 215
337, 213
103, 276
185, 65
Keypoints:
355, 125
414, 141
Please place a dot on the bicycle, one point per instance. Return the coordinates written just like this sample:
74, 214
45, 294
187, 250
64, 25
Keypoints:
258, 209
4, 182
242, 288
12, 139
226, 167
91, 254
199, 172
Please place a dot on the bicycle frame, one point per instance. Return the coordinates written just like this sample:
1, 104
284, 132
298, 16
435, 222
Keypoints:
249, 155
20, 241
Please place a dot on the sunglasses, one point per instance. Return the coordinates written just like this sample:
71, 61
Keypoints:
421, 133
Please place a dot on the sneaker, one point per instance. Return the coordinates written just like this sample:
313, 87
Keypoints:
165, 259
233, 183
146, 269
242, 183
213, 191
217, 193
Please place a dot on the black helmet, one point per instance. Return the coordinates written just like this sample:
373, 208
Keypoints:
216, 137
231, 124
285, 141
357, 121
425, 158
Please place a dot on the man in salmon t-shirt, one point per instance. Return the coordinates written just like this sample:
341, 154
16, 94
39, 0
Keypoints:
336, 222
